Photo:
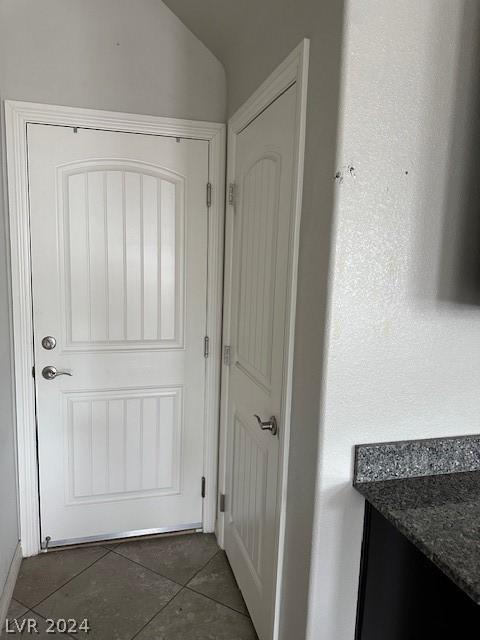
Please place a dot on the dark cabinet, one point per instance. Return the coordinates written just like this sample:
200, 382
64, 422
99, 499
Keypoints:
403, 595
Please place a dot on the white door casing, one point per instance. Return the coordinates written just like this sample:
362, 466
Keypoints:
18, 117
265, 165
119, 275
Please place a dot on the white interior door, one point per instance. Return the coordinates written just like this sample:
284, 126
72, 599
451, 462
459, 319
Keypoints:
119, 274
262, 244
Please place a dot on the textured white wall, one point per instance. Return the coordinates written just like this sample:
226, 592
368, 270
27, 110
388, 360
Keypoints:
403, 358
104, 54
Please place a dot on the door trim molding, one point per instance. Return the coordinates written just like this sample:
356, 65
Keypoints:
17, 116
293, 70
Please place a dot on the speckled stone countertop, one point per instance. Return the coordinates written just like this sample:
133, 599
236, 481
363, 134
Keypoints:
439, 513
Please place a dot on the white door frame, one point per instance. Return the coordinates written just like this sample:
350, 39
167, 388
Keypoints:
17, 116
294, 69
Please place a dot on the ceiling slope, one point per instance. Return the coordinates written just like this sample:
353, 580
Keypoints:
217, 23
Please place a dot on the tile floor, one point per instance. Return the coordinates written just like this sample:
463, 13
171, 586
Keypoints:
166, 588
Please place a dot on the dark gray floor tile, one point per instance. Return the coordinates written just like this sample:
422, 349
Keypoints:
216, 581
191, 616
16, 609
43, 574
36, 628
176, 557
117, 597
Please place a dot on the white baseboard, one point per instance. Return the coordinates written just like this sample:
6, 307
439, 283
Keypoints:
6, 595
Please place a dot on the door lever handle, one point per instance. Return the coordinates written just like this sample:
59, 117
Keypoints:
268, 425
50, 373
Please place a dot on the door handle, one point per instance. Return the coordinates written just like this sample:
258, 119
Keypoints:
50, 373
268, 425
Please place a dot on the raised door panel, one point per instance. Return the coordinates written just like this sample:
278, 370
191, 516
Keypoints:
257, 255
121, 239
123, 445
249, 482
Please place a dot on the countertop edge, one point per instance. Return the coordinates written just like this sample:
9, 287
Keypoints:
381, 461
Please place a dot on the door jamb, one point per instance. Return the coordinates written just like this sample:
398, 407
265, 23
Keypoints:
294, 69
17, 116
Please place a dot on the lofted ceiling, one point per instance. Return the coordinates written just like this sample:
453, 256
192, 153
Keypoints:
219, 24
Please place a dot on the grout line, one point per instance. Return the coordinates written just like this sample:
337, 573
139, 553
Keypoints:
157, 612
69, 580
210, 597
139, 564
186, 586
22, 615
222, 604
22, 603
203, 566
161, 574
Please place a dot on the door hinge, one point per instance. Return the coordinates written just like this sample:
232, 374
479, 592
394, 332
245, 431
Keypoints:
231, 194
209, 194
33, 372
206, 346
203, 486
226, 355
221, 503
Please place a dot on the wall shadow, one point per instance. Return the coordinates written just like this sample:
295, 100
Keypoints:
300, 569
459, 264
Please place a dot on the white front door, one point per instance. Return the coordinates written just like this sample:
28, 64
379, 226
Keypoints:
119, 273
262, 244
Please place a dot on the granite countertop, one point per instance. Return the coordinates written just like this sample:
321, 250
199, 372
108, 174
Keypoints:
432, 499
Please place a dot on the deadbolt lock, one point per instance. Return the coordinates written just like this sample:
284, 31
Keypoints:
49, 343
